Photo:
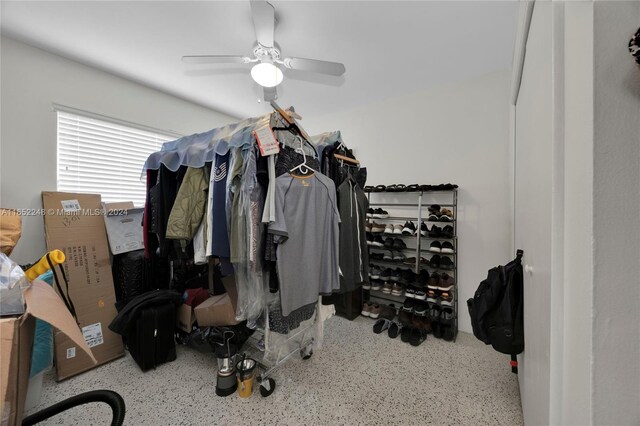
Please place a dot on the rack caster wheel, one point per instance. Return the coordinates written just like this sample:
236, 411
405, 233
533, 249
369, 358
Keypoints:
306, 353
267, 387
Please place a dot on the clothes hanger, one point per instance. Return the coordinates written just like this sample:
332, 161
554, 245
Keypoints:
302, 167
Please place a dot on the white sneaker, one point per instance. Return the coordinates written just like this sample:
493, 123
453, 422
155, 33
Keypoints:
388, 229
397, 229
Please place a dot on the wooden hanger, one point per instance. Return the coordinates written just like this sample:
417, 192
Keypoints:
347, 159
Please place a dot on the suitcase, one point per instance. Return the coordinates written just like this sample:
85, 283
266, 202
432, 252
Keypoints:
151, 340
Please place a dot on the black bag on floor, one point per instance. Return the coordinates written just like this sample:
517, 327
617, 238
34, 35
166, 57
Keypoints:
151, 340
148, 324
496, 309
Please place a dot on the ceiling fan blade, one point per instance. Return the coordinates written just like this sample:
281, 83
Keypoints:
314, 65
215, 59
264, 21
270, 94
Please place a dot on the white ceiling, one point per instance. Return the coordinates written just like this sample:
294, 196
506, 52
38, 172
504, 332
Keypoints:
389, 48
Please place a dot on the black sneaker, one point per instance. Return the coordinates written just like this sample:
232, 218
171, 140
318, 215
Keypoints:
435, 247
437, 330
447, 232
395, 276
386, 274
435, 232
423, 229
421, 308
434, 213
376, 285
376, 256
388, 243
380, 214
447, 247
398, 244
434, 262
369, 239
446, 263
399, 256
410, 292
408, 306
448, 332
417, 336
408, 277
409, 229
369, 212
388, 255
422, 278
377, 241
447, 316
421, 295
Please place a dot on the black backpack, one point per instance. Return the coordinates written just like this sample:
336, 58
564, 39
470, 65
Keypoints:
496, 309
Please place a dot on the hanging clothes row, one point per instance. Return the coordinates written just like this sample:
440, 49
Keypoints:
213, 195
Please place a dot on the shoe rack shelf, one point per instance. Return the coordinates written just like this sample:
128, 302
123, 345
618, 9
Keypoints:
422, 243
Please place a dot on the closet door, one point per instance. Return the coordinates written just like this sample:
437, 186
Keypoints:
533, 210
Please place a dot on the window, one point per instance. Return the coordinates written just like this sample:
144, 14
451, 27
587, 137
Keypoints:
104, 157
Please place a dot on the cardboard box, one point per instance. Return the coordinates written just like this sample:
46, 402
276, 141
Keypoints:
124, 227
16, 345
185, 318
74, 224
219, 310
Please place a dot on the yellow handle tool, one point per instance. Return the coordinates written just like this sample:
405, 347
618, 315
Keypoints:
57, 258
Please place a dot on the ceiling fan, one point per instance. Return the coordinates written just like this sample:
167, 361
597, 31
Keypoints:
267, 58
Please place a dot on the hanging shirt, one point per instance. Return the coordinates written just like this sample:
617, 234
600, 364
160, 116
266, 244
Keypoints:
219, 236
306, 230
354, 255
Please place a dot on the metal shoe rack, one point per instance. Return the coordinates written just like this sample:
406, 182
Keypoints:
388, 200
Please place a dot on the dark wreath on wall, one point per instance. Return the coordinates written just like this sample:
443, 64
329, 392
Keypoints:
634, 46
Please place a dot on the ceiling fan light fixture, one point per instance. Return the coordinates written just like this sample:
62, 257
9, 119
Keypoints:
266, 74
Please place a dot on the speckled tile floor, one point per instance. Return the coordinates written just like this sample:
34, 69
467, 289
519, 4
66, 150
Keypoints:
357, 378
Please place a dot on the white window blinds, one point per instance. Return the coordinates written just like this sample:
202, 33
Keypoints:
102, 157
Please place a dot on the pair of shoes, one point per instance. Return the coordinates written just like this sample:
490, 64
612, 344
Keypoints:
371, 310
421, 279
397, 187
374, 227
446, 215
441, 247
376, 285
395, 328
376, 256
409, 229
393, 289
441, 262
441, 282
394, 244
374, 240
414, 293
394, 256
440, 298
444, 331
439, 187
374, 272
377, 213
437, 232
392, 229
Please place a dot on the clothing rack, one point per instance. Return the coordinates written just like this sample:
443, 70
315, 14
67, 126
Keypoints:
195, 152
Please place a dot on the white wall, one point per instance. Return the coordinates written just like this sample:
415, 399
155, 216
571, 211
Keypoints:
616, 216
457, 133
594, 337
31, 81
533, 218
